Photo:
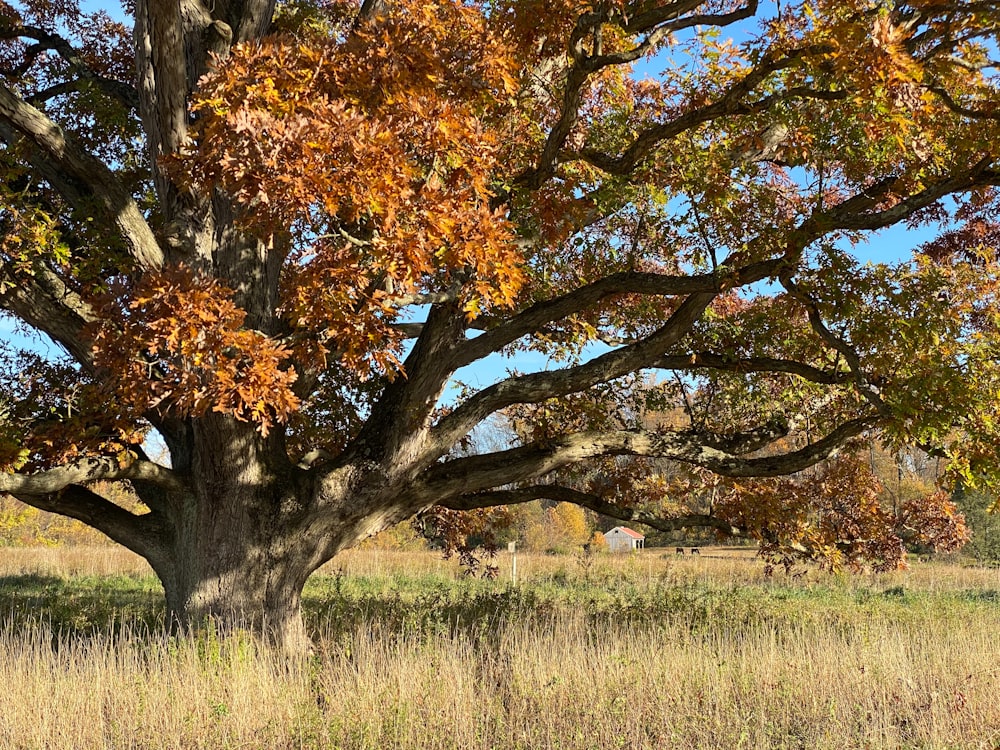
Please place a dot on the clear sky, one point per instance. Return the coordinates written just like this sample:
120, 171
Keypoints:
891, 245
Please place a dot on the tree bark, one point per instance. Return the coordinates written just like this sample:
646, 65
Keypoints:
238, 557
236, 586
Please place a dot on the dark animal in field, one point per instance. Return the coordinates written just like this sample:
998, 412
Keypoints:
679, 551
695, 551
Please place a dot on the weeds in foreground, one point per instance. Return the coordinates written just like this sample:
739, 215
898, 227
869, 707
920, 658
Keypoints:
682, 656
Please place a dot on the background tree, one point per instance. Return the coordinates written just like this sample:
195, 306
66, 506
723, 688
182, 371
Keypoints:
980, 513
274, 233
560, 528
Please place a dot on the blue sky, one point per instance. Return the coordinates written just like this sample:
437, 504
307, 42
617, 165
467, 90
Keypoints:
890, 245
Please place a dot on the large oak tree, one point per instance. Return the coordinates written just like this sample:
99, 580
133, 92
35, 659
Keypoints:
274, 233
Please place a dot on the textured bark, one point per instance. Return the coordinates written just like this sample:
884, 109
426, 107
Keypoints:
219, 579
82, 178
247, 528
233, 554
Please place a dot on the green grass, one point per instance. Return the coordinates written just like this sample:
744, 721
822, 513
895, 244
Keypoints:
435, 604
81, 605
621, 654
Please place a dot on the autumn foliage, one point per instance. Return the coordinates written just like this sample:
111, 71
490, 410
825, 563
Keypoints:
381, 170
274, 237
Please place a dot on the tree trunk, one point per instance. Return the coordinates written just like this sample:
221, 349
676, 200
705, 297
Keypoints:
234, 588
239, 555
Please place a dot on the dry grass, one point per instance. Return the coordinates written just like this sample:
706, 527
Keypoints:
721, 565
71, 561
718, 565
561, 686
727, 661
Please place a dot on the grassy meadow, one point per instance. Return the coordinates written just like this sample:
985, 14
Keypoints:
644, 651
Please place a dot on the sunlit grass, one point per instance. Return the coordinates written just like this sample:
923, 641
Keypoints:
631, 652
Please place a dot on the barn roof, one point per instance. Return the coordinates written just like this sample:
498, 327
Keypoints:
633, 534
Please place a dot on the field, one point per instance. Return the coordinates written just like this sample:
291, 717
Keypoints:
645, 651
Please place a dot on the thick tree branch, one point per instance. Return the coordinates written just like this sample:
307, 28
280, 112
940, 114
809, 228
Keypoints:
959, 109
576, 79
424, 298
672, 16
557, 493
709, 361
855, 213
484, 472
162, 66
88, 470
579, 300
750, 441
543, 385
403, 412
661, 22
370, 10
648, 351
85, 181
44, 302
146, 535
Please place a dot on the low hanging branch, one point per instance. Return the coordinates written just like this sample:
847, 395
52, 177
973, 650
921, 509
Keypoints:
557, 493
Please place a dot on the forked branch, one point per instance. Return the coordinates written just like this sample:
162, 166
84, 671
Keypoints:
46, 40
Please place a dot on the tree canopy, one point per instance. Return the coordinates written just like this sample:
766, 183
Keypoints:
274, 233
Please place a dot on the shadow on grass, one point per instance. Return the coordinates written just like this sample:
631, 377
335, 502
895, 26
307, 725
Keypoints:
80, 605
339, 605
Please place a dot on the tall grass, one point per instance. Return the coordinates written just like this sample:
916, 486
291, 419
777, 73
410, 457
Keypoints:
619, 653
72, 560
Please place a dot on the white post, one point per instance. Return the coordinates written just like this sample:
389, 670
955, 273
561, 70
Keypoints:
512, 548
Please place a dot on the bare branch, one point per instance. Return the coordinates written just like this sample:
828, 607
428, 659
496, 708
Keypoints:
59, 89
483, 472
837, 343
592, 502
959, 109
123, 92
